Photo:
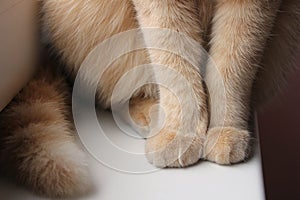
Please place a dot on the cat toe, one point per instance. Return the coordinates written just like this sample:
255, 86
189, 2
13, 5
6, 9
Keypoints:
226, 145
172, 150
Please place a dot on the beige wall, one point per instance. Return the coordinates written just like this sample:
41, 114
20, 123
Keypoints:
18, 42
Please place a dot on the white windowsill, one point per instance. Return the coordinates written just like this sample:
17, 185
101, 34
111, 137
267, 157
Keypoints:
205, 181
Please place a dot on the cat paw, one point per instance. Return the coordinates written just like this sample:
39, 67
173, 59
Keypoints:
140, 108
226, 145
171, 150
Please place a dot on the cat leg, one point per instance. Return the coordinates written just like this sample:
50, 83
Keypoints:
280, 55
37, 145
77, 28
239, 32
75, 34
182, 97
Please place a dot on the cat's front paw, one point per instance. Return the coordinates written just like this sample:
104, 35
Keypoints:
167, 149
226, 145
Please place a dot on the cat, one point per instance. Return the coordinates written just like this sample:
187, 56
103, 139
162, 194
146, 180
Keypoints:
251, 44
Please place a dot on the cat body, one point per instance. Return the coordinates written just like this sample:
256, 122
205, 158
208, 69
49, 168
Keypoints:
251, 45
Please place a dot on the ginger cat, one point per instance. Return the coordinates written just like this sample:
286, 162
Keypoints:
251, 44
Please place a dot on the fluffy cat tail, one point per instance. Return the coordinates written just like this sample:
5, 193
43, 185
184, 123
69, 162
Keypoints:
37, 145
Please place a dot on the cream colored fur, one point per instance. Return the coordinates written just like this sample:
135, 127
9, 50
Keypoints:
241, 38
239, 34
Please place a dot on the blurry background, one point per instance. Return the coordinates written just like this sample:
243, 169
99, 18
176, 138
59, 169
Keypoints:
280, 142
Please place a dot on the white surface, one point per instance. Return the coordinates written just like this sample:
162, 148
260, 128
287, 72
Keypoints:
206, 181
